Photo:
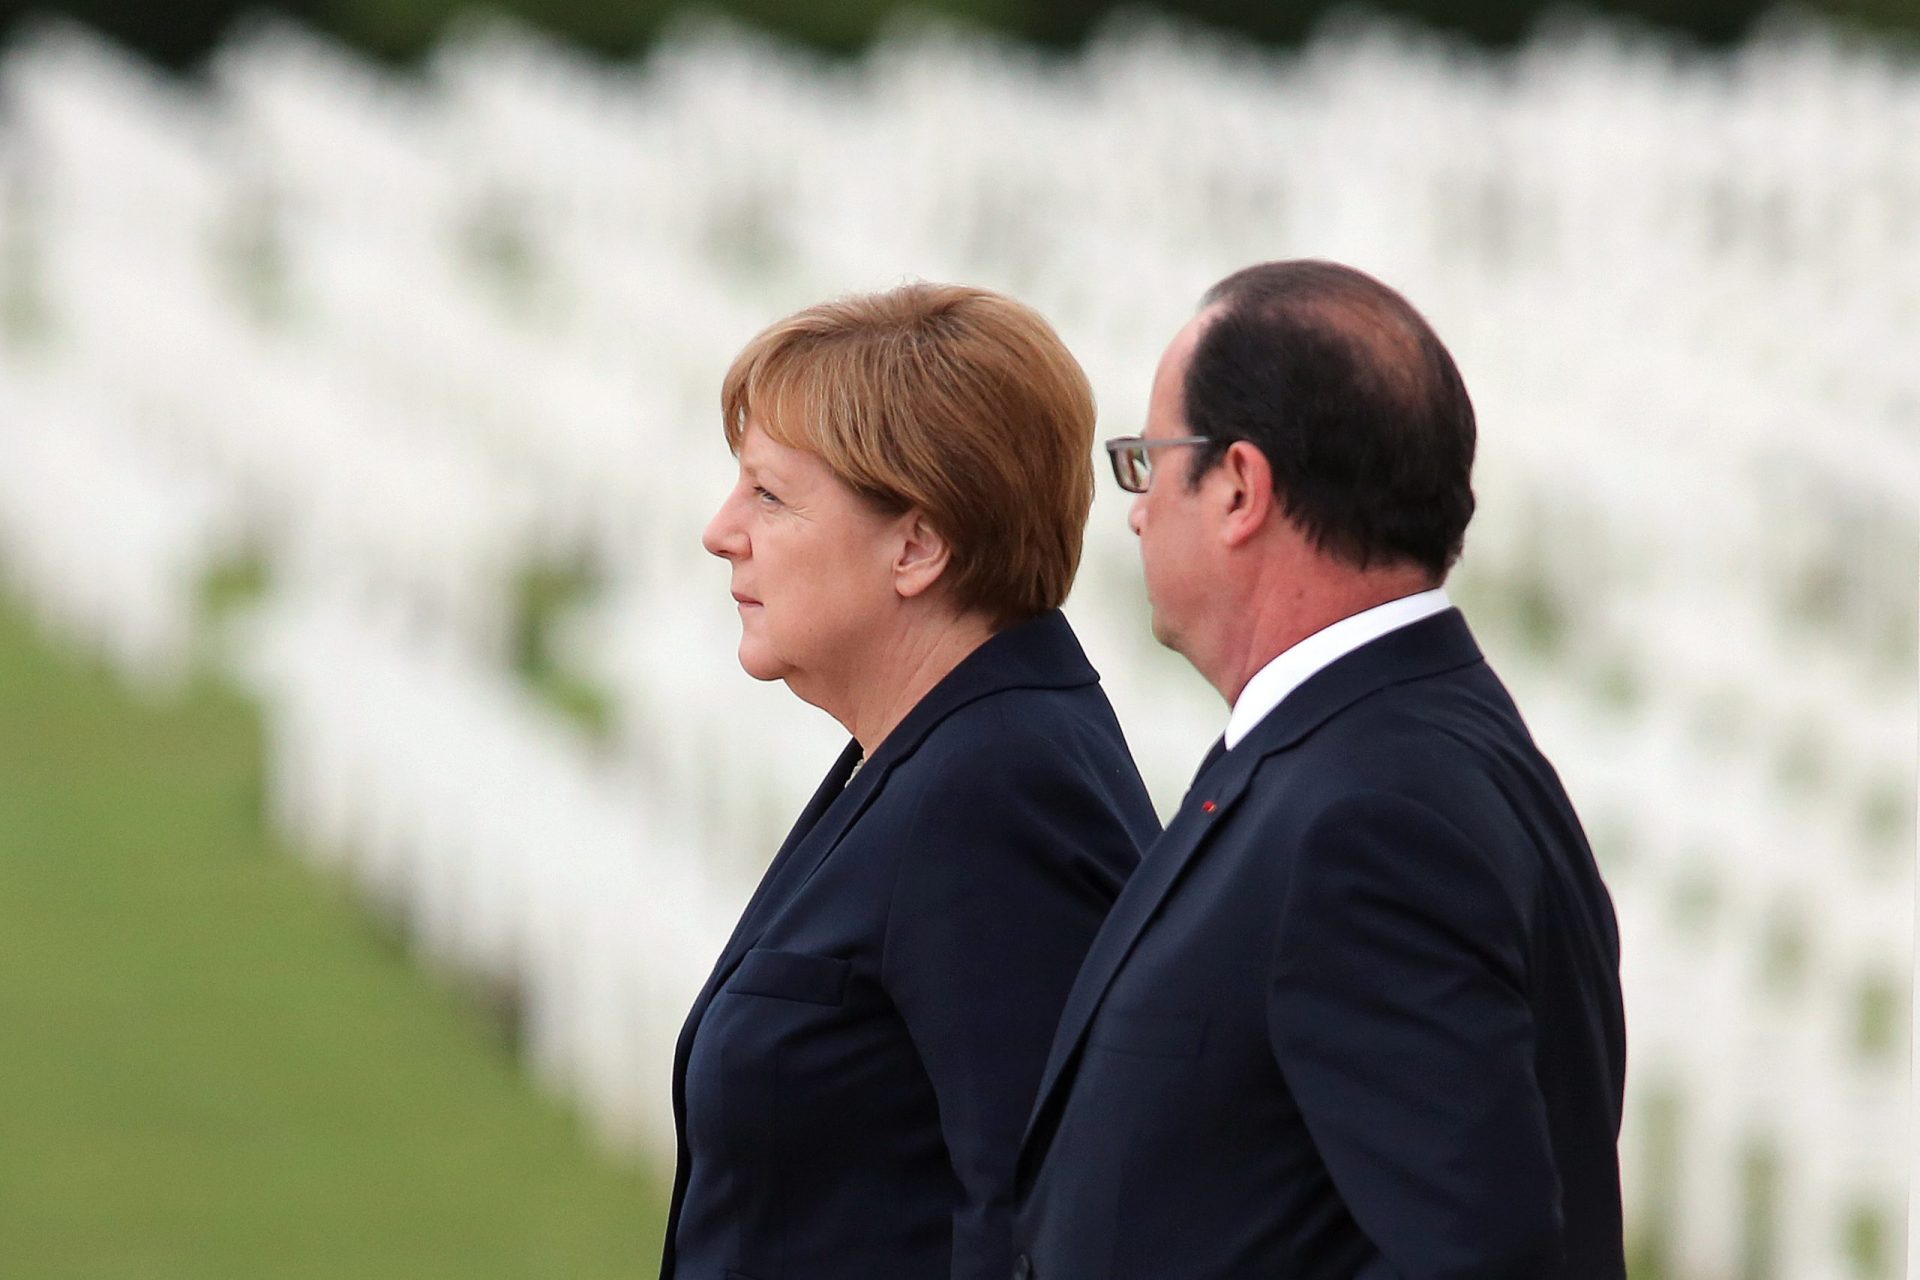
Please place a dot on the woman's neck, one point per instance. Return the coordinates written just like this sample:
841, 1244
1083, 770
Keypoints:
876, 697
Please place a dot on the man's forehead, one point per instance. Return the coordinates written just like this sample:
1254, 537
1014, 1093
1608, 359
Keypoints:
1179, 352
1169, 378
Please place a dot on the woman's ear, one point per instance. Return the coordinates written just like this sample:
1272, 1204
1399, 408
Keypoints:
923, 556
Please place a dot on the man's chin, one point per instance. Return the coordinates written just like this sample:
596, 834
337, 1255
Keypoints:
1164, 632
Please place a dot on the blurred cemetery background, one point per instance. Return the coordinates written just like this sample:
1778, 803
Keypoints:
376, 780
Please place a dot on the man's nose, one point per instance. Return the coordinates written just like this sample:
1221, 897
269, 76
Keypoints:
1137, 514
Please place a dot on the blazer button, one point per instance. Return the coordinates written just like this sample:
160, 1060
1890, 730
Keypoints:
1022, 1268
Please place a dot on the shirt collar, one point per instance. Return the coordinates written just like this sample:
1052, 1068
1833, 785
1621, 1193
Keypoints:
1292, 668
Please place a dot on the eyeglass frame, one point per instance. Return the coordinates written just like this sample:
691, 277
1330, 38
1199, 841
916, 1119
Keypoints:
1122, 444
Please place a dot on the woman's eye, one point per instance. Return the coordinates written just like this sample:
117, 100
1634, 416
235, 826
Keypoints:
766, 495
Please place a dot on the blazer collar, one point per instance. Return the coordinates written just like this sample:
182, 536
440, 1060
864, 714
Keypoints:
1040, 653
1434, 644
1425, 648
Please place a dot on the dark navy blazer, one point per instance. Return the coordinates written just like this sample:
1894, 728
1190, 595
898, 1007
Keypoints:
851, 1084
1357, 1015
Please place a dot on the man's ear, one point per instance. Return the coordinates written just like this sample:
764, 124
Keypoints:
1245, 493
923, 556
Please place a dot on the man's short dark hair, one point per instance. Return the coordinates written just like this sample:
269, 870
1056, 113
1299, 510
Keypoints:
1354, 401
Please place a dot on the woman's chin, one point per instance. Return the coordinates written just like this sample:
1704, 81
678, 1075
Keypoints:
760, 664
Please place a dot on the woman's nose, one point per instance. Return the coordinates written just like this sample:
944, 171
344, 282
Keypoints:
722, 536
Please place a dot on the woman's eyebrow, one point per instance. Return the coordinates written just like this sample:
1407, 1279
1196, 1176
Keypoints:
760, 472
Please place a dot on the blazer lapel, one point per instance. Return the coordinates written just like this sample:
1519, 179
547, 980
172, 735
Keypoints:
1042, 652
796, 863
831, 790
1428, 647
753, 918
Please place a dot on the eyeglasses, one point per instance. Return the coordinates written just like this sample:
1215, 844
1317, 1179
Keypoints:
1133, 462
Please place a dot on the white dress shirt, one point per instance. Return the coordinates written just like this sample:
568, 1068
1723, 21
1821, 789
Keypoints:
1291, 669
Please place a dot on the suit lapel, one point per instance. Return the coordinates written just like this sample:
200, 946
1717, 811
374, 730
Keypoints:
1218, 786
1428, 647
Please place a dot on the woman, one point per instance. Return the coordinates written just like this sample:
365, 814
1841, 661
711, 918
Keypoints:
851, 1085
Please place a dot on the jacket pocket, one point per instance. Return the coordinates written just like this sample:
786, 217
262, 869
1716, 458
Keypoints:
1150, 1035
791, 975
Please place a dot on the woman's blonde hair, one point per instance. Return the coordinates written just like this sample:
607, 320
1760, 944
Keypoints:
957, 401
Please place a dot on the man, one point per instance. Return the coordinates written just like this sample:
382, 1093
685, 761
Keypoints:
1358, 1012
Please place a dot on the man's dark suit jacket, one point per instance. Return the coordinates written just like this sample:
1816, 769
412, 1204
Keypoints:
1357, 1015
851, 1084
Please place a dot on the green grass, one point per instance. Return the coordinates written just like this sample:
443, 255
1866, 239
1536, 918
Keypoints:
211, 1063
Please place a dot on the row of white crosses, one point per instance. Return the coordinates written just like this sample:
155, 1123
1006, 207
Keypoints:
404, 338
512, 852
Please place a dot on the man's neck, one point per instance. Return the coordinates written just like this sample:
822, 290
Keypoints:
1280, 616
